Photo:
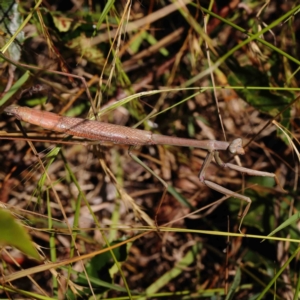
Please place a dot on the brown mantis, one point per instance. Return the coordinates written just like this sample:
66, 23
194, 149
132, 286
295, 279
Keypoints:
106, 132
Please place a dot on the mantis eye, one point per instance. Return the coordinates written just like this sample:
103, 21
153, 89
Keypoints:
236, 147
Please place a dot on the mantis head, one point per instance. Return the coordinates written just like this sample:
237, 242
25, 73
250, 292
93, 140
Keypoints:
236, 147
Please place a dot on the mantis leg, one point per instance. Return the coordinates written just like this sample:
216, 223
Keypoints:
218, 187
225, 191
250, 172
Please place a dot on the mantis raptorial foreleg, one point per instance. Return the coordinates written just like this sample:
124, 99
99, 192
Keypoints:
225, 191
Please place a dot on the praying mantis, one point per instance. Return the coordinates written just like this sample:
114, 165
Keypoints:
117, 134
